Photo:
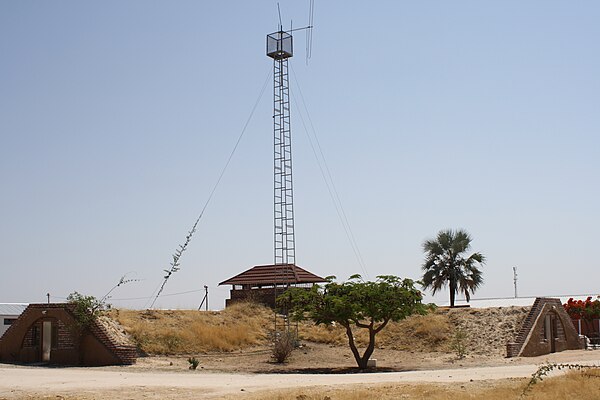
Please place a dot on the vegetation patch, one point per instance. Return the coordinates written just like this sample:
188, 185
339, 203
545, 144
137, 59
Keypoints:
581, 385
241, 326
188, 331
429, 332
356, 305
283, 346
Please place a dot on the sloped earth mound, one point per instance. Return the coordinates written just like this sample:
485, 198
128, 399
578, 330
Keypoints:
237, 340
116, 331
488, 330
173, 332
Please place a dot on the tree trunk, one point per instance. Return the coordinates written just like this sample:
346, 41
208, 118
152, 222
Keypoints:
353, 345
364, 360
369, 351
452, 292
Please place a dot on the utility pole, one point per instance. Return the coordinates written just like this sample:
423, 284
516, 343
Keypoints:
205, 299
515, 280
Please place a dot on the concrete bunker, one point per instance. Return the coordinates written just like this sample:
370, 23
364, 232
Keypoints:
546, 329
45, 334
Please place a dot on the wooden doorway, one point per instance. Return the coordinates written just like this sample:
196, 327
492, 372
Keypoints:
550, 331
46, 341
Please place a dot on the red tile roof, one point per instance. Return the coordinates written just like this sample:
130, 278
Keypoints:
270, 274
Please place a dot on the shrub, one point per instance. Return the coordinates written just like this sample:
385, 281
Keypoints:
459, 344
545, 369
579, 309
283, 346
86, 309
193, 363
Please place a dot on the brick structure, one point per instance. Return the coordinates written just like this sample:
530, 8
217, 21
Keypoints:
546, 329
263, 283
46, 333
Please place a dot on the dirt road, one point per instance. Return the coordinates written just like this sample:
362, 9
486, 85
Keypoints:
18, 382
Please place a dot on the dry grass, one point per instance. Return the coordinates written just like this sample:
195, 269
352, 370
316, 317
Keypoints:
576, 385
247, 324
186, 332
487, 331
430, 332
244, 325
581, 385
509, 390
328, 334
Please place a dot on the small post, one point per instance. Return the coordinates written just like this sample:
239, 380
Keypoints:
206, 296
515, 280
48, 295
204, 300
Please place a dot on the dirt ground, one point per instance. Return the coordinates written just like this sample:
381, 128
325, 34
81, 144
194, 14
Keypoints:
487, 332
236, 375
321, 358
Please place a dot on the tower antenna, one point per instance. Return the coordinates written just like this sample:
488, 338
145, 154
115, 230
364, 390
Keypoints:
311, 14
279, 12
280, 49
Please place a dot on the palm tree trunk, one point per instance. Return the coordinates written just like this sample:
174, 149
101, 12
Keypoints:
452, 292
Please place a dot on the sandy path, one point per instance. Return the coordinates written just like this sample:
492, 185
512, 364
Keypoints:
99, 383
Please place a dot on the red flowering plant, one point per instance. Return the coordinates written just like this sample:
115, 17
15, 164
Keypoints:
579, 309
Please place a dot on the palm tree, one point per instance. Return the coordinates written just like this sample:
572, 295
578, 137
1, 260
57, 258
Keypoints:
445, 264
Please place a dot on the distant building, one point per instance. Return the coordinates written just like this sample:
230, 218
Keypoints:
9, 312
263, 283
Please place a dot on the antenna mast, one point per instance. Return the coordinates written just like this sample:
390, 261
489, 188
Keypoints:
280, 48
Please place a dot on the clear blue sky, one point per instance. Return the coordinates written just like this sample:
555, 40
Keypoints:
117, 117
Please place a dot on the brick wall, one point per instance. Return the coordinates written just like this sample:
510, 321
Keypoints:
533, 340
65, 336
125, 353
19, 343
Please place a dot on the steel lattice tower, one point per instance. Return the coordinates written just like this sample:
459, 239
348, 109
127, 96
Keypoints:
279, 48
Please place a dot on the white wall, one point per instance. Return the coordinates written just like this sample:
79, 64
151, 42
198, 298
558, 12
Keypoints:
4, 327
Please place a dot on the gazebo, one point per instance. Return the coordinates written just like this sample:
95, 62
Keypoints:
263, 283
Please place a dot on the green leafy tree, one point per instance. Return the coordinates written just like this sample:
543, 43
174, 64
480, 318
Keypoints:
446, 263
86, 309
355, 304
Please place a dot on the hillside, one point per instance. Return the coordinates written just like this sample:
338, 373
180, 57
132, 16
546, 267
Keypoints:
247, 326
189, 331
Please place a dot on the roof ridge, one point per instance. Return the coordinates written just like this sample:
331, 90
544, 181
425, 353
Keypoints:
272, 274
